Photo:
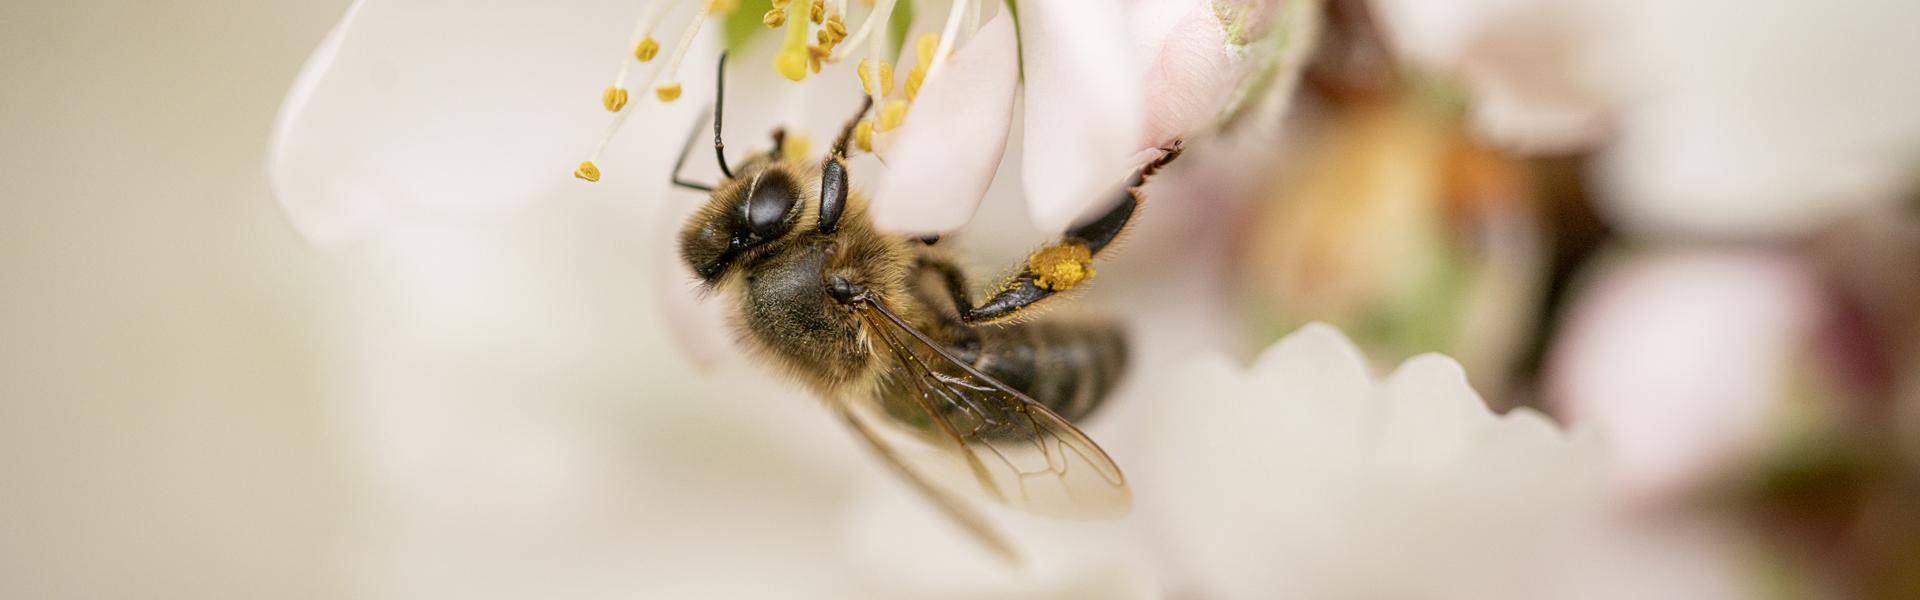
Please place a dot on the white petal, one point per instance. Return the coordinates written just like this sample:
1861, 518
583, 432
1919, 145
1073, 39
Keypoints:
1082, 107
947, 152
901, 547
1191, 79
425, 110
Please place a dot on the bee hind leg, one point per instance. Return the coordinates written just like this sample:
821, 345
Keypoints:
1063, 265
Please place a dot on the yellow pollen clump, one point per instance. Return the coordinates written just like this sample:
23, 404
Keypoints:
819, 13
668, 93
863, 136
1060, 268
893, 114
647, 49
721, 7
774, 18
587, 171
613, 99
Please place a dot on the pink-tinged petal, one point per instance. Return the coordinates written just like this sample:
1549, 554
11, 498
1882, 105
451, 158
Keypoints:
1195, 74
432, 110
1679, 360
1082, 107
943, 157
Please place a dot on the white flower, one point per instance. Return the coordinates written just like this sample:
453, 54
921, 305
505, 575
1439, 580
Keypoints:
1716, 118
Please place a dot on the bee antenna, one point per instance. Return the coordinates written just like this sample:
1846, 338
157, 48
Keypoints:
719, 103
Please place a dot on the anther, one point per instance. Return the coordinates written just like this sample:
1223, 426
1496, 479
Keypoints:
863, 136
837, 27
819, 12
866, 73
924, 47
894, 113
613, 99
816, 54
668, 93
914, 80
774, 18
587, 172
647, 49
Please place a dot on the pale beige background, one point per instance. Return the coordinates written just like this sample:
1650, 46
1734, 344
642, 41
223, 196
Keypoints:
162, 433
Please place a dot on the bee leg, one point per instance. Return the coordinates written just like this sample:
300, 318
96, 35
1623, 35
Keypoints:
833, 173
1067, 263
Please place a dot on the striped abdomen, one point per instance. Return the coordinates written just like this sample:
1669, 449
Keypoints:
1067, 366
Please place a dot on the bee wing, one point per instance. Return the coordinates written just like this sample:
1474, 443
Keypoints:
955, 507
1014, 449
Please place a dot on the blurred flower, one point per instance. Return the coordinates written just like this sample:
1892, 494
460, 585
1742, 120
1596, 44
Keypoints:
1717, 118
1686, 361
1305, 477
1399, 229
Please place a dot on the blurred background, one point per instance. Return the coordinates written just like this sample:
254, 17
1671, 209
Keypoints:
1690, 228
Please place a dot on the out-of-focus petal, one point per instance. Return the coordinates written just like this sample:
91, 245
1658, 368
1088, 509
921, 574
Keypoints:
1082, 106
1723, 120
1679, 360
1447, 499
1540, 78
1770, 120
899, 546
423, 109
945, 155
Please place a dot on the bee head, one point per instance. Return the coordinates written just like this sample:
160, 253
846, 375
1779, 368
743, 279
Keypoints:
746, 213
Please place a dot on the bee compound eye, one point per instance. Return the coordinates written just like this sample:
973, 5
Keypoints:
767, 209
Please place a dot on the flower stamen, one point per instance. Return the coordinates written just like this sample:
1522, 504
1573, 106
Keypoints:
882, 12
892, 115
939, 55
671, 89
642, 42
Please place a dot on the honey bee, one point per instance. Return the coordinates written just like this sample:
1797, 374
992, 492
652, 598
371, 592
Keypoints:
963, 400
